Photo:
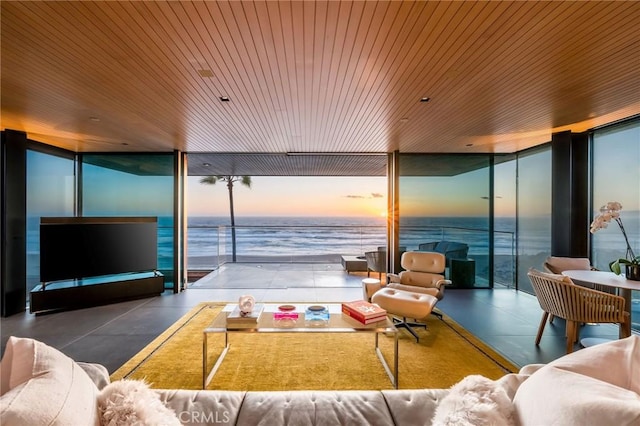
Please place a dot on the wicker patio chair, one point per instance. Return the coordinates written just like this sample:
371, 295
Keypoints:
557, 265
576, 304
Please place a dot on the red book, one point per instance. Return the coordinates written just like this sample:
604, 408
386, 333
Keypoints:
363, 321
364, 312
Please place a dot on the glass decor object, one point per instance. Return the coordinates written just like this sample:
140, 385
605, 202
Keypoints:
316, 316
246, 303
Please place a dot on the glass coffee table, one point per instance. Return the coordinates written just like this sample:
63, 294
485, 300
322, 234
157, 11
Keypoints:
335, 322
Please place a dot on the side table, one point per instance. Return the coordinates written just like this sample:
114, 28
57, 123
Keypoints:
354, 263
463, 273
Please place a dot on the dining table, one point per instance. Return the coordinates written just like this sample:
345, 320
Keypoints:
623, 285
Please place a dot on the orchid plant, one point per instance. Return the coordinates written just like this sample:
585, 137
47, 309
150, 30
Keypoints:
609, 212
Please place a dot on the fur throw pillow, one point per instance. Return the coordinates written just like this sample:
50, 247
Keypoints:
132, 402
475, 401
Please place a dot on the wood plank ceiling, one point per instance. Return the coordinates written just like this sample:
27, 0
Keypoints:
316, 76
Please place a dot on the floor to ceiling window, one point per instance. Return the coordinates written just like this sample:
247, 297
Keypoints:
504, 220
133, 185
445, 200
50, 192
297, 219
534, 212
616, 177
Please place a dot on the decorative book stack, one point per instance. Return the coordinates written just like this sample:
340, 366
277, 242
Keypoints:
363, 311
236, 317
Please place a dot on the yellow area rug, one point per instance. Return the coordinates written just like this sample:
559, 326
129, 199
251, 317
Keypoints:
293, 361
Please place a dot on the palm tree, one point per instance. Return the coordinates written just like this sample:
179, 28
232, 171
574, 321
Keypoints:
244, 180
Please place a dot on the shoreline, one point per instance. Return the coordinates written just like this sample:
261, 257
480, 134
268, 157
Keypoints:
502, 263
209, 262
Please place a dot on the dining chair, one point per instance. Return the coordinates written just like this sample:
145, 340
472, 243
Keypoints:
559, 296
559, 264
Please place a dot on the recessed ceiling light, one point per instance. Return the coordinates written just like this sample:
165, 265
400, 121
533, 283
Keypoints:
224, 98
425, 99
94, 118
205, 73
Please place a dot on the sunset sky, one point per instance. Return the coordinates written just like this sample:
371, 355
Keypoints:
291, 196
462, 195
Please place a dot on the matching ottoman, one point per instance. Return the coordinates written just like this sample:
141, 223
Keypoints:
405, 304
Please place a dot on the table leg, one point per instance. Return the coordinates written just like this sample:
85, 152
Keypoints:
393, 375
395, 356
626, 294
204, 361
208, 375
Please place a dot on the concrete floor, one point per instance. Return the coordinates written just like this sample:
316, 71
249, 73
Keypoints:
110, 335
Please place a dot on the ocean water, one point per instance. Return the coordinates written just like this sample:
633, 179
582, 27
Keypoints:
209, 237
295, 236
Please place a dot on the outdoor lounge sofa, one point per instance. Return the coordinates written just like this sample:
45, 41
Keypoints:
593, 386
450, 249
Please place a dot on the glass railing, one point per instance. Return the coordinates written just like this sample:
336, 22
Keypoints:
209, 247
477, 241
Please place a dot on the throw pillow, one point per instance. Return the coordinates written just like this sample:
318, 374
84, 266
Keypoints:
20, 365
553, 396
46, 388
593, 386
616, 362
5, 368
475, 401
132, 402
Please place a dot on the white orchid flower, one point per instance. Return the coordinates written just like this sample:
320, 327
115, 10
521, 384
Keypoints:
610, 211
614, 205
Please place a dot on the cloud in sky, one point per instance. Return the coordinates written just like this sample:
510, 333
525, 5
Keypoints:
373, 195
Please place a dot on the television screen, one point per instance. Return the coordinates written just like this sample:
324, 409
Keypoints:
81, 247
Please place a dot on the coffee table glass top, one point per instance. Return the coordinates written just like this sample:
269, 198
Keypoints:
337, 321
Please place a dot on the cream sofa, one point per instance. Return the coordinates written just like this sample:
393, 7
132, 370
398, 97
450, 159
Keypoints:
594, 386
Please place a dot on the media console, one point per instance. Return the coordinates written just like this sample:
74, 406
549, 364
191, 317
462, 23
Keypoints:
95, 291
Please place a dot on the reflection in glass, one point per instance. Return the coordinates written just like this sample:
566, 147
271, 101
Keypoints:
133, 185
50, 192
445, 198
534, 212
616, 177
504, 184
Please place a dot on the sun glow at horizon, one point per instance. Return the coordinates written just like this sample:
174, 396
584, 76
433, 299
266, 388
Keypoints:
291, 196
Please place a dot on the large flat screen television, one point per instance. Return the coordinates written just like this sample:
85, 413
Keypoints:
82, 247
